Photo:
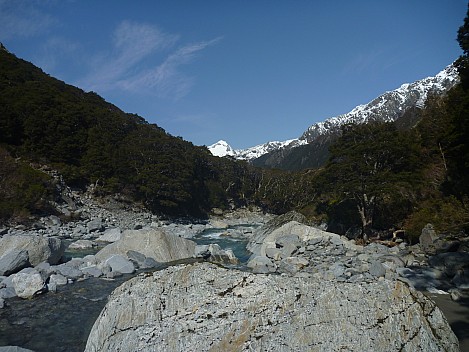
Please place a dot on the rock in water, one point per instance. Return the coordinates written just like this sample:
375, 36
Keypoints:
40, 249
28, 284
13, 261
152, 243
203, 307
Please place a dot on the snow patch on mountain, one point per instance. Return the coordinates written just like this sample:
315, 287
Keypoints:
387, 107
222, 148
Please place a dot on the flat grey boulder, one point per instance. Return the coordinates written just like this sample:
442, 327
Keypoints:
153, 243
40, 249
203, 307
13, 261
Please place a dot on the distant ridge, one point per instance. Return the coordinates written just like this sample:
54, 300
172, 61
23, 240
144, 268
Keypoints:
312, 144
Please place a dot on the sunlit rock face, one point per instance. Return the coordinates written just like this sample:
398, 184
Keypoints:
203, 307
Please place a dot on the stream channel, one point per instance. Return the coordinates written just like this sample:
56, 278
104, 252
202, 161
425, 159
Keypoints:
62, 321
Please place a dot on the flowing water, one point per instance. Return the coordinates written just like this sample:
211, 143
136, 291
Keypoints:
62, 321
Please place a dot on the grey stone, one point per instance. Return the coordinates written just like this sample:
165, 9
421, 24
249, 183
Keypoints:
93, 271
13, 261
427, 237
40, 249
58, 279
377, 269
2, 303
95, 225
273, 253
120, 264
136, 257
152, 243
283, 241
288, 250
337, 269
14, 349
215, 309
68, 270
222, 256
261, 265
52, 287
111, 235
113, 274
7, 292
150, 263
28, 285
82, 244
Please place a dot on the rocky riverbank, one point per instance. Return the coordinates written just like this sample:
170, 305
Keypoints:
124, 238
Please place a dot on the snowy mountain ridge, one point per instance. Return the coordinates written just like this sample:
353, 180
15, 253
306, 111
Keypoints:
387, 107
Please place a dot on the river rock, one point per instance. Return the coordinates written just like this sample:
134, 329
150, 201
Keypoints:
14, 349
58, 279
261, 264
203, 307
40, 249
93, 271
120, 264
152, 243
82, 244
377, 269
291, 230
111, 235
27, 285
95, 225
13, 261
68, 270
427, 237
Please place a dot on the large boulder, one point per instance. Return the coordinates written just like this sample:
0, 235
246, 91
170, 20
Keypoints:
291, 234
427, 238
13, 261
203, 307
40, 249
152, 243
28, 284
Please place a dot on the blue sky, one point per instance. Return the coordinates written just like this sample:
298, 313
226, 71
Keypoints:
246, 71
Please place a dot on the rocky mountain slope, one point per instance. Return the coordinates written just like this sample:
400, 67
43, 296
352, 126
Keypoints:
310, 149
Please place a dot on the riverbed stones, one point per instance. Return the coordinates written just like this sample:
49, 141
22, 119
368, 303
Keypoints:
203, 307
13, 261
39, 248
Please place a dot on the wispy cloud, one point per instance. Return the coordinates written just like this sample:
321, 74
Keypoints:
166, 78
143, 58
21, 18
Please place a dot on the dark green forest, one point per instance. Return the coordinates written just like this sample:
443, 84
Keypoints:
379, 177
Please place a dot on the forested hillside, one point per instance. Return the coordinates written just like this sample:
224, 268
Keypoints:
91, 141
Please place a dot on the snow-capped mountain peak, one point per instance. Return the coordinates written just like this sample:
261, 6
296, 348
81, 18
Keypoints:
221, 148
387, 107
